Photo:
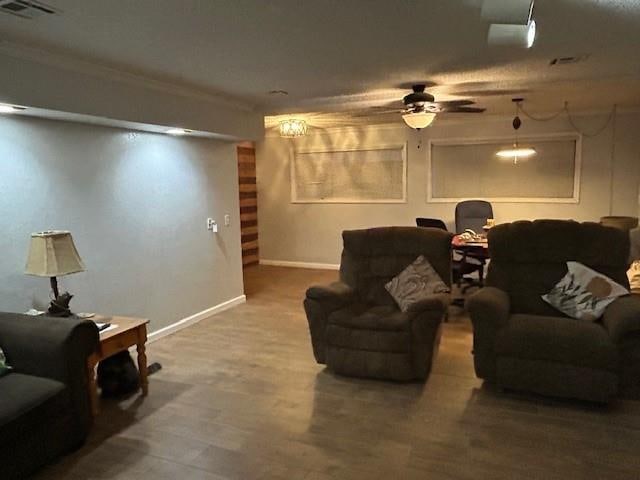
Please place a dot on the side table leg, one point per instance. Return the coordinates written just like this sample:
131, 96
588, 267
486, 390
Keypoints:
142, 367
93, 387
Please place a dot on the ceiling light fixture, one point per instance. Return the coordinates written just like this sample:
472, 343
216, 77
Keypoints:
522, 36
292, 127
178, 131
510, 12
517, 152
9, 109
418, 120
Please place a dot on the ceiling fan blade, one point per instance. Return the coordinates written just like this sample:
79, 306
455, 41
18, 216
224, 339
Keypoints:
464, 110
453, 103
376, 111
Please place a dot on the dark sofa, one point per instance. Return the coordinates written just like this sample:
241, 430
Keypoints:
356, 327
522, 343
44, 402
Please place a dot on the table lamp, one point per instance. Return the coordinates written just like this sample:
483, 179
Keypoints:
53, 254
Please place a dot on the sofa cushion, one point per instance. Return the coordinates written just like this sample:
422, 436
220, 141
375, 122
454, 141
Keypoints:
557, 339
27, 402
416, 282
366, 317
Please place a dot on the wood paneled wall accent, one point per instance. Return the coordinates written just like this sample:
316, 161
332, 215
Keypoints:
248, 204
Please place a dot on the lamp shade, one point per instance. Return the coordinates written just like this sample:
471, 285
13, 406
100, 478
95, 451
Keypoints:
53, 254
418, 120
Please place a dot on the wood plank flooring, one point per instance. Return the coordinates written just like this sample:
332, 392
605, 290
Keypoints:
240, 397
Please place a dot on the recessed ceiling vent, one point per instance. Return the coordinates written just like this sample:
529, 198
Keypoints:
568, 60
27, 8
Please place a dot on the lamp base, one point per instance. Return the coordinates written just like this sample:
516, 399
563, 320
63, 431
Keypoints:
59, 306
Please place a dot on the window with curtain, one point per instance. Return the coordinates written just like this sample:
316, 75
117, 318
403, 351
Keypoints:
366, 175
471, 169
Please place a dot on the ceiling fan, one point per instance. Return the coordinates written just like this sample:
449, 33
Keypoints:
420, 107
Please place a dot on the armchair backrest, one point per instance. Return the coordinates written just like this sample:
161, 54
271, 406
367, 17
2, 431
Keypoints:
472, 214
529, 258
372, 257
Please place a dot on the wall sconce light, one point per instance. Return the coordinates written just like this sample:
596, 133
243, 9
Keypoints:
292, 128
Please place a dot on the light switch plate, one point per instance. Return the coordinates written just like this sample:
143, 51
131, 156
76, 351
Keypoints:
227, 220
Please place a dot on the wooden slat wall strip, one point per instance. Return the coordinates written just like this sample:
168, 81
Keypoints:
248, 216
248, 205
248, 202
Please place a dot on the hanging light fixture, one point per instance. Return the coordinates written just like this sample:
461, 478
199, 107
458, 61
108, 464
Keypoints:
418, 120
517, 152
293, 127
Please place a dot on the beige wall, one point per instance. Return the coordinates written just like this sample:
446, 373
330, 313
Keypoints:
311, 232
137, 205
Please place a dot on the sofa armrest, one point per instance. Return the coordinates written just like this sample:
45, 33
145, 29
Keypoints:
622, 317
489, 309
56, 348
437, 302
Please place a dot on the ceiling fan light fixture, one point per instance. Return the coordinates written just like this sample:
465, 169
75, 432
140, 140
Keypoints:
292, 127
418, 120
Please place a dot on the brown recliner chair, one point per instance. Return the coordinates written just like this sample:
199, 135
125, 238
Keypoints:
356, 327
522, 343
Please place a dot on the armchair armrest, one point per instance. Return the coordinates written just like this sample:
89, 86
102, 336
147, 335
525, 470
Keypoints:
436, 302
55, 348
320, 301
489, 305
336, 292
622, 317
489, 310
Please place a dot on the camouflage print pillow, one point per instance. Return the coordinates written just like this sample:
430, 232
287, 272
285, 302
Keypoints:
583, 293
414, 283
4, 368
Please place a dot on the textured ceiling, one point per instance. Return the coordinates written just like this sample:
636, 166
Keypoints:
347, 56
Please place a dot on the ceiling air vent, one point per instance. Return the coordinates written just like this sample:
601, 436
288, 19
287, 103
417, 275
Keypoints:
568, 60
27, 8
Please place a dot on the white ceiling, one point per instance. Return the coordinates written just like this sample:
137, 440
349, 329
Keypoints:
348, 55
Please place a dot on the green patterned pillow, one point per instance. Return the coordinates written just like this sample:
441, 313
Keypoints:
4, 368
583, 293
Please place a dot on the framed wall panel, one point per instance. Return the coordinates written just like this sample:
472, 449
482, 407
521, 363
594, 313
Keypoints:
375, 174
460, 169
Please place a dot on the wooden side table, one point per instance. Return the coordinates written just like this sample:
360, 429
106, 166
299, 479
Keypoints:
129, 332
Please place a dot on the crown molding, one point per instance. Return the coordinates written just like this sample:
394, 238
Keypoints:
74, 64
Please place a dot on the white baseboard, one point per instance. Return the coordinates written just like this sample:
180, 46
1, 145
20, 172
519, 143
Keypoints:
317, 266
193, 319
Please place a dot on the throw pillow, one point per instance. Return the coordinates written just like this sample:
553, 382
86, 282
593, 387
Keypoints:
4, 367
583, 293
414, 283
